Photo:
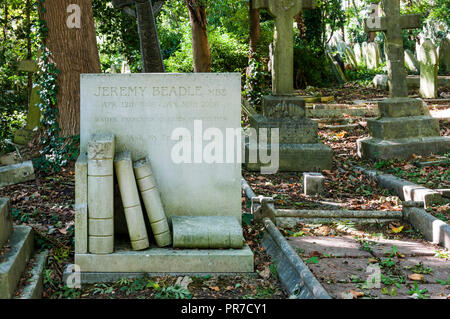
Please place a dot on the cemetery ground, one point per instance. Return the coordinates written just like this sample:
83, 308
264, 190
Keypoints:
410, 265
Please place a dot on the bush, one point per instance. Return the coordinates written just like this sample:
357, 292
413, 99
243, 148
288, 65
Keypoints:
227, 53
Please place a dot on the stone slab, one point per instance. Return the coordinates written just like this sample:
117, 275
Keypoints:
161, 260
283, 106
291, 130
23, 136
435, 291
35, 286
383, 247
401, 107
206, 232
16, 173
377, 149
145, 111
439, 266
344, 246
339, 270
6, 221
433, 229
296, 157
14, 261
391, 128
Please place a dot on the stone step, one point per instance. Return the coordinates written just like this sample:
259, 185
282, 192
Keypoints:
15, 260
6, 227
35, 286
403, 127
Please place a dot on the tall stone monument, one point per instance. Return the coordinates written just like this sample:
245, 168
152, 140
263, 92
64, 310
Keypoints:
405, 126
299, 149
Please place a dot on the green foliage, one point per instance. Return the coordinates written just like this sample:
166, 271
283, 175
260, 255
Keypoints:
257, 82
227, 53
364, 77
173, 292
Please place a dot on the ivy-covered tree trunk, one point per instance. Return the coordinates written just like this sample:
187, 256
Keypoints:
255, 27
200, 43
74, 51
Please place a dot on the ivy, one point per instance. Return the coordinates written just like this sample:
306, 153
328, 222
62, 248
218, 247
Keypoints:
56, 151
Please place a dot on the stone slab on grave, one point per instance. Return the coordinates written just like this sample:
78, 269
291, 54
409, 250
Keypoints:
401, 131
16, 173
180, 122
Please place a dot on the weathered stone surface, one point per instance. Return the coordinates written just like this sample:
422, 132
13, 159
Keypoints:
28, 66
344, 246
206, 232
15, 260
403, 127
428, 59
439, 266
81, 228
282, 107
351, 58
144, 110
152, 202
444, 55
337, 70
401, 107
100, 153
35, 285
411, 62
380, 81
6, 222
383, 247
23, 136
373, 55
433, 229
16, 173
340, 270
364, 51
291, 130
402, 148
163, 260
294, 157
358, 53
313, 183
283, 44
130, 199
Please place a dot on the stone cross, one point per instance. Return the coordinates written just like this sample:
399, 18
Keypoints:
392, 25
144, 13
284, 12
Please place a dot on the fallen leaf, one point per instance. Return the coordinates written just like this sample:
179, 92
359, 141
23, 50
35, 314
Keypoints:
356, 294
373, 260
416, 277
397, 230
265, 273
215, 288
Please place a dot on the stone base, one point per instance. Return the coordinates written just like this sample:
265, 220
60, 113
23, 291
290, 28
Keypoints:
295, 158
15, 260
392, 128
6, 222
376, 149
283, 106
35, 285
167, 260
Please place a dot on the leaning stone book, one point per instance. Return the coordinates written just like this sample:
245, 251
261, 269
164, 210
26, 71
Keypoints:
101, 193
152, 202
131, 203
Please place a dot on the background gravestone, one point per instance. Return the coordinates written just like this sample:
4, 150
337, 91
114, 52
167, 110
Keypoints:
428, 70
358, 53
411, 62
444, 56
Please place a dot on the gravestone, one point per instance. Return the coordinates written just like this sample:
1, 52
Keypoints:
351, 58
405, 126
299, 149
364, 52
411, 62
188, 125
428, 70
24, 135
444, 56
373, 55
358, 53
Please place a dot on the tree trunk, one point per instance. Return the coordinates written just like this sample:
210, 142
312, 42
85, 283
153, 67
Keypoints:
200, 43
255, 28
74, 51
